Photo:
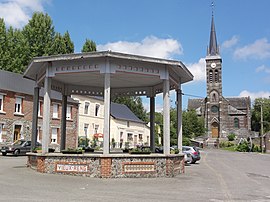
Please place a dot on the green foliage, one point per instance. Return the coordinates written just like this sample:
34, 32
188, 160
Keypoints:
126, 145
89, 46
193, 126
134, 104
83, 141
256, 148
243, 147
231, 137
39, 33
37, 38
186, 141
69, 45
174, 151
256, 114
226, 144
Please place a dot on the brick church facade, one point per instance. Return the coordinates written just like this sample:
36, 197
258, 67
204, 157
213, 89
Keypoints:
222, 115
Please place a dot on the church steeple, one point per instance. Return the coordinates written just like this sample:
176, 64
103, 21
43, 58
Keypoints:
213, 48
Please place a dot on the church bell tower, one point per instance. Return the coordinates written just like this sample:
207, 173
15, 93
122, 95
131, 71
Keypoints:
214, 85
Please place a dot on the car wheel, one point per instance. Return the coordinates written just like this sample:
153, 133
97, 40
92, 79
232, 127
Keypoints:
189, 161
4, 153
16, 152
193, 161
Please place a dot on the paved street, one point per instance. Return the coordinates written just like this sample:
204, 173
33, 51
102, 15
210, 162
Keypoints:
219, 176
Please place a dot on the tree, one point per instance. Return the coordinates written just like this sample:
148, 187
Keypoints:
68, 43
134, 104
256, 114
89, 46
59, 45
3, 44
39, 33
193, 126
37, 38
17, 51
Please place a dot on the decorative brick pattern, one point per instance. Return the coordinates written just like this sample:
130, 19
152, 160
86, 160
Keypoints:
113, 166
41, 164
106, 169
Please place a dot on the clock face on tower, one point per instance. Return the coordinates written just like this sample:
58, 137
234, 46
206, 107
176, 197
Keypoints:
213, 65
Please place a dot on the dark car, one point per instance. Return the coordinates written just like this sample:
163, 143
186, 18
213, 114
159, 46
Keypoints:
193, 151
18, 147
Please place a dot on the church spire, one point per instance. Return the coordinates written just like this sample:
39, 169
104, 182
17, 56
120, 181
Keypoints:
213, 48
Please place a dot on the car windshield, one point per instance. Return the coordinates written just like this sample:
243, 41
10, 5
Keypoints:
18, 142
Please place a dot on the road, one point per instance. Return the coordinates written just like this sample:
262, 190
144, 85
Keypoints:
219, 176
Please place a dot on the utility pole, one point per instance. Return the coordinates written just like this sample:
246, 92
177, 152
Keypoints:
261, 136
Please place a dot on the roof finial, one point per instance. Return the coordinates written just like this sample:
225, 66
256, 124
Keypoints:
212, 5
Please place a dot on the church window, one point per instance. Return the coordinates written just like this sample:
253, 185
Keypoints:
236, 123
214, 109
210, 76
214, 97
216, 76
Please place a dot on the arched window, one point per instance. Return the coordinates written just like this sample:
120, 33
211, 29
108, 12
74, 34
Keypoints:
236, 122
216, 76
214, 98
210, 76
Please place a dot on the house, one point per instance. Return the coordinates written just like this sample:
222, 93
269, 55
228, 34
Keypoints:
16, 111
126, 127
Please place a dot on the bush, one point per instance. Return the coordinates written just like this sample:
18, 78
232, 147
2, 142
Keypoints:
226, 144
256, 148
186, 141
243, 147
231, 137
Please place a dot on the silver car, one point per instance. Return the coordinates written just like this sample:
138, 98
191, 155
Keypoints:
193, 151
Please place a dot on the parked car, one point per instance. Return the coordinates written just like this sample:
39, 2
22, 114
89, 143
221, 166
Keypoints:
18, 147
193, 151
159, 149
188, 158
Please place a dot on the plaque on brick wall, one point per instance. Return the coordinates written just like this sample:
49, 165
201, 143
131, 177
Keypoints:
138, 167
79, 168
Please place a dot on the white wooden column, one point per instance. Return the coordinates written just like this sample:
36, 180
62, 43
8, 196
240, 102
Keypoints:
107, 104
46, 114
179, 117
166, 116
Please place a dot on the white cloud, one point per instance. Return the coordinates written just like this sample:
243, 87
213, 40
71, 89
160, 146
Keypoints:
198, 70
149, 46
260, 49
263, 68
16, 13
230, 43
254, 95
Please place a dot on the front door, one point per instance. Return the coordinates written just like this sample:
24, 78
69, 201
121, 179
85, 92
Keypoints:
214, 130
17, 132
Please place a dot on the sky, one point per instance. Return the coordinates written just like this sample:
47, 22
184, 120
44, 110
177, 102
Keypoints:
171, 29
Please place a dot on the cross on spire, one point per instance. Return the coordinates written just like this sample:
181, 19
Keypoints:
213, 6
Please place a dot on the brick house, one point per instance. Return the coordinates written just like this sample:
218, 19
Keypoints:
16, 110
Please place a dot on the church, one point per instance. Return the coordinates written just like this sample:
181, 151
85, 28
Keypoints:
222, 115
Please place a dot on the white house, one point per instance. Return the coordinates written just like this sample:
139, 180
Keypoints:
125, 126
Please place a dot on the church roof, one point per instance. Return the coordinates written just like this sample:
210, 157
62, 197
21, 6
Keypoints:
213, 49
195, 103
239, 102
236, 102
